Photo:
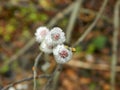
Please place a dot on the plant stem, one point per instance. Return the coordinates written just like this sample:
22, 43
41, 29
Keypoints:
35, 71
80, 39
115, 44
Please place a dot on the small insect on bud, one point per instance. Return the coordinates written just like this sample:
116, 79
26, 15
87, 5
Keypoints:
70, 48
73, 49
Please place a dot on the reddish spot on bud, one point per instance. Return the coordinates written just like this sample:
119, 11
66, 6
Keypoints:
56, 36
63, 53
43, 33
50, 46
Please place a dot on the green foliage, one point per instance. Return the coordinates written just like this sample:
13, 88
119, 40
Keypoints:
46, 4
63, 23
92, 86
15, 65
24, 11
6, 38
26, 33
90, 48
4, 69
78, 49
32, 16
7, 33
37, 17
10, 28
42, 17
99, 42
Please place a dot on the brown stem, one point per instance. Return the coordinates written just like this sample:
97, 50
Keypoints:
81, 38
23, 80
115, 44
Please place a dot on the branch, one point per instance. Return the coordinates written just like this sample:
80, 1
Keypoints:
61, 15
73, 17
89, 11
21, 51
115, 44
23, 80
56, 78
35, 69
91, 66
93, 24
51, 84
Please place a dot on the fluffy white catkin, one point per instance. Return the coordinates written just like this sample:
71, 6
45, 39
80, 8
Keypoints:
62, 54
41, 33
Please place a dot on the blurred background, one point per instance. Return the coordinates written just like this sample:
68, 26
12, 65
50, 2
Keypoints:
89, 68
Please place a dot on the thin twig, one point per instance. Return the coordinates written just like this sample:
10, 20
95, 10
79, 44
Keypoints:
115, 44
56, 77
93, 24
21, 51
35, 70
60, 15
89, 11
72, 20
23, 80
50, 84
91, 66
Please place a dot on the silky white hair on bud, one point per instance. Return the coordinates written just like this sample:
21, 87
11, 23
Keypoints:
62, 54
56, 36
41, 33
46, 48
11, 88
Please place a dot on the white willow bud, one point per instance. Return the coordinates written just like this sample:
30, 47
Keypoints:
46, 48
62, 54
56, 36
41, 33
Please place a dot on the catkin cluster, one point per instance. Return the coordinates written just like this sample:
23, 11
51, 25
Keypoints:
51, 41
